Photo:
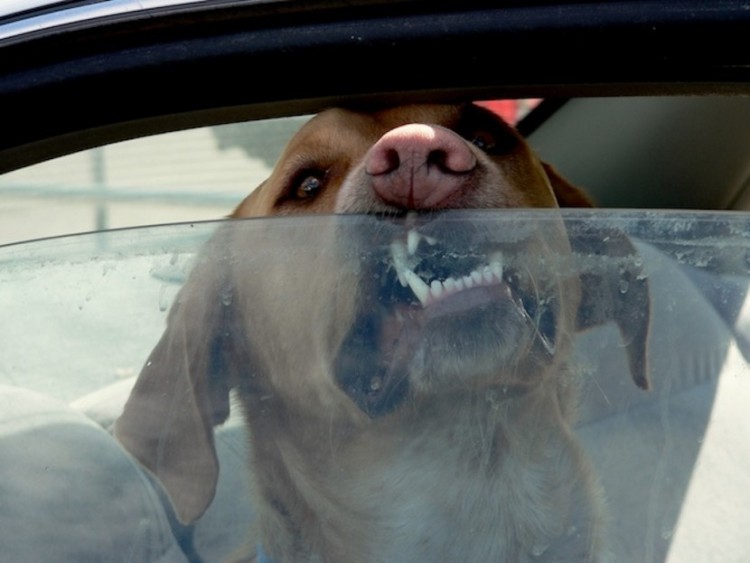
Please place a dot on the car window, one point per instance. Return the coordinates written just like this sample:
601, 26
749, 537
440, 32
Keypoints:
83, 314
464, 363
627, 330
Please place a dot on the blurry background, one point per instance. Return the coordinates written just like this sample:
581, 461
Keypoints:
184, 176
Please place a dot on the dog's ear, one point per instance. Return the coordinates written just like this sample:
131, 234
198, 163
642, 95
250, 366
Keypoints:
614, 288
183, 392
567, 194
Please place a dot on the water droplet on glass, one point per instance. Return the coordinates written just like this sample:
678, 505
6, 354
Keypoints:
163, 300
226, 298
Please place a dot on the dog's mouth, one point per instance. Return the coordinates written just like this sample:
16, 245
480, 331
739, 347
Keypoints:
441, 310
438, 279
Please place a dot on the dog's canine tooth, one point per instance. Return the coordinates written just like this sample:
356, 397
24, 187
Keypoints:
418, 286
477, 277
398, 255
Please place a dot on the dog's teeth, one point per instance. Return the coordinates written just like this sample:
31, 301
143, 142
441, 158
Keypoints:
496, 264
418, 286
450, 285
436, 289
403, 257
398, 255
497, 269
487, 274
412, 241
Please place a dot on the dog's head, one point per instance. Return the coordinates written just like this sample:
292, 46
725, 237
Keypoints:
415, 299
362, 162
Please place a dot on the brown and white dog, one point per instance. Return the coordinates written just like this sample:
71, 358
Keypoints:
413, 407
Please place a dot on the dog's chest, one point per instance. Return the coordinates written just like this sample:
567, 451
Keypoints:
474, 494
429, 517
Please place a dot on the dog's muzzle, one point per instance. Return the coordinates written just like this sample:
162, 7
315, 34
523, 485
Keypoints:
446, 281
436, 297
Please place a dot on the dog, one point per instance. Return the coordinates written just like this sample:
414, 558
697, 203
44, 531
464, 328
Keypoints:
414, 406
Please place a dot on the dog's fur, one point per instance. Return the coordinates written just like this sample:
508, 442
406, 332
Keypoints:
382, 430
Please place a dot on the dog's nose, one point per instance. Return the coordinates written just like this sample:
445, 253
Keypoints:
419, 166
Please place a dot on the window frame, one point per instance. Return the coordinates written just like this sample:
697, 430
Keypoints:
53, 82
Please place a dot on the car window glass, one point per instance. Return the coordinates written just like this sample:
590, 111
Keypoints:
82, 317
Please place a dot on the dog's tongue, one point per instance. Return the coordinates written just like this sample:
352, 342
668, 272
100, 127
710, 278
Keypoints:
404, 326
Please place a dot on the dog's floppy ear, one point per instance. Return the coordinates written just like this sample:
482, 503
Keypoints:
181, 393
567, 194
613, 289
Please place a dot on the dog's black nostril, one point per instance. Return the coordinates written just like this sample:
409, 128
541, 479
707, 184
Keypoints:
392, 160
437, 158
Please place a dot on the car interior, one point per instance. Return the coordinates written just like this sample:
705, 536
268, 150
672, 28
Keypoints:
657, 136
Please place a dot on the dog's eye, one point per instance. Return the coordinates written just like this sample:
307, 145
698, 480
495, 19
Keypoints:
484, 141
308, 186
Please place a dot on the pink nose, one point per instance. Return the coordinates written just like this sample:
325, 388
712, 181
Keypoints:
419, 166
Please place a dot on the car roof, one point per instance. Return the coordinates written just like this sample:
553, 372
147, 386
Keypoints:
19, 17
16, 6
